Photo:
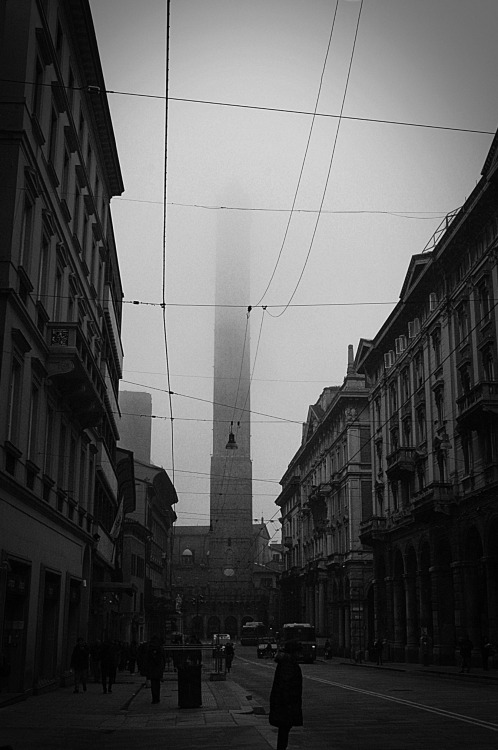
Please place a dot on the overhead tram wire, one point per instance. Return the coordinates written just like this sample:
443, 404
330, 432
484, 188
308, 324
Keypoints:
291, 213
95, 90
165, 212
329, 169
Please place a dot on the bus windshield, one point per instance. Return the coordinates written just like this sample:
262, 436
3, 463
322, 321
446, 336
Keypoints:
252, 632
299, 631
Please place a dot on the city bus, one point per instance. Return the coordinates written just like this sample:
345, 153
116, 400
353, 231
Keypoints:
252, 632
303, 632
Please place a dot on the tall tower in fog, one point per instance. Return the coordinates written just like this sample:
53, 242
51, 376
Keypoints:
230, 545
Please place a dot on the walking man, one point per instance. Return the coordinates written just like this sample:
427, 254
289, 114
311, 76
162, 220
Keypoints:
79, 664
155, 667
286, 694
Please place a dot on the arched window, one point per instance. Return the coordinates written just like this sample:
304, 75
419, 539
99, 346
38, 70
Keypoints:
187, 557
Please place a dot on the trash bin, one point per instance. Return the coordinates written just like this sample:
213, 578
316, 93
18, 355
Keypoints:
189, 686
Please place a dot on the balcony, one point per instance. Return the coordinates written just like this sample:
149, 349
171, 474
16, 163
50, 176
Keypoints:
73, 369
373, 530
401, 463
481, 402
433, 501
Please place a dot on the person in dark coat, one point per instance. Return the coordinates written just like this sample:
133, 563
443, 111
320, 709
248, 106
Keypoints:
109, 660
286, 694
229, 654
155, 667
466, 647
79, 664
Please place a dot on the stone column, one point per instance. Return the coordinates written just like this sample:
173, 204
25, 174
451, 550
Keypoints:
389, 614
491, 571
412, 629
399, 609
321, 604
457, 569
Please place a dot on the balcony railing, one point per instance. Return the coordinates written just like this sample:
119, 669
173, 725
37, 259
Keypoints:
433, 500
373, 530
482, 399
72, 366
400, 462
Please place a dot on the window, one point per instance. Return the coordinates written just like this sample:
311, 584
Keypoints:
421, 425
49, 442
407, 432
484, 306
468, 458
65, 173
34, 409
61, 458
38, 88
465, 379
26, 233
76, 212
58, 295
405, 385
52, 137
463, 322
70, 87
82, 483
439, 401
419, 369
393, 399
187, 558
44, 267
72, 466
488, 365
436, 346
59, 42
15, 398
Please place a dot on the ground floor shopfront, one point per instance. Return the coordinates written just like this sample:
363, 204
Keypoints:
44, 597
436, 582
337, 599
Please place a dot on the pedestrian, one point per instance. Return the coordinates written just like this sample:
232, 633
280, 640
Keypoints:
155, 667
79, 664
286, 693
95, 649
466, 647
132, 657
379, 647
229, 654
486, 652
109, 659
327, 649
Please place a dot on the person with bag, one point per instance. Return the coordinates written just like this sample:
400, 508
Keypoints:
79, 664
286, 693
155, 667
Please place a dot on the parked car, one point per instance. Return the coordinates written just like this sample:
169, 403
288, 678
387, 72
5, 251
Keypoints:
267, 648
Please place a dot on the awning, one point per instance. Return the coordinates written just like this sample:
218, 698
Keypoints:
117, 587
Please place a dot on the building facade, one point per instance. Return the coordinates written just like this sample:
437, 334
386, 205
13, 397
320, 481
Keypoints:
325, 496
60, 318
434, 407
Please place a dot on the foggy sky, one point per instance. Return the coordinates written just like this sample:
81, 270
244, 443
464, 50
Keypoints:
429, 62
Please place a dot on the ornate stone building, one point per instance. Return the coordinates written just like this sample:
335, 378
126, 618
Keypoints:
60, 322
326, 494
434, 404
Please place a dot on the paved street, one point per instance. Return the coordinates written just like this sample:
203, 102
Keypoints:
126, 718
346, 707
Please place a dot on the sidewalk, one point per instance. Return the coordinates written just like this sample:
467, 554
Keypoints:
227, 715
476, 673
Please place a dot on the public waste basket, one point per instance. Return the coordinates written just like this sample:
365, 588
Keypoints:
189, 686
